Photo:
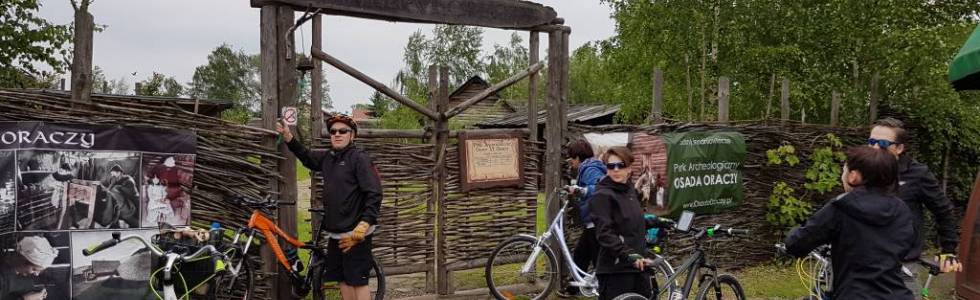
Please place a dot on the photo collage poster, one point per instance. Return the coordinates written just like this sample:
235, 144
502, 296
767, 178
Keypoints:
66, 187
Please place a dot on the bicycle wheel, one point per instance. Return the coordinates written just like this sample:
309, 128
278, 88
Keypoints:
235, 283
323, 289
660, 288
630, 296
724, 287
503, 270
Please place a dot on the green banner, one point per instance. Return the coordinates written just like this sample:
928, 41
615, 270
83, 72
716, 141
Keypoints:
705, 171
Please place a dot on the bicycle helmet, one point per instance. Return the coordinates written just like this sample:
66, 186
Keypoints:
342, 118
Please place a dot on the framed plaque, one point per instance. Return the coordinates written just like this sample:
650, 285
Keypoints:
487, 161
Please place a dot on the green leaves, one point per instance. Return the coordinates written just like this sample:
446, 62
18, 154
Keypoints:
28, 41
825, 172
784, 209
783, 154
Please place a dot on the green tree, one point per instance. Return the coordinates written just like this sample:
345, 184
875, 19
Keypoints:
29, 41
160, 85
504, 62
229, 75
101, 84
820, 46
380, 104
457, 47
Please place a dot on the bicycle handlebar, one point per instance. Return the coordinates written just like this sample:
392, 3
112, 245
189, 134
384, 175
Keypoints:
712, 231
104, 245
267, 203
115, 240
932, 266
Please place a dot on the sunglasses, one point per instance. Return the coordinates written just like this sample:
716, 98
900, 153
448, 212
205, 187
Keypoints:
616, 166
881, 143
340, 131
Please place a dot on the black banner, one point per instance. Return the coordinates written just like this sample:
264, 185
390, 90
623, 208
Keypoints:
65, 187
42, 135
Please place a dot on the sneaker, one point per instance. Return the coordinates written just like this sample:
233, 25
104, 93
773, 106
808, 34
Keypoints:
568, 293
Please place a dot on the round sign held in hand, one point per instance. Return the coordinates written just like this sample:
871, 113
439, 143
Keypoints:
290, 115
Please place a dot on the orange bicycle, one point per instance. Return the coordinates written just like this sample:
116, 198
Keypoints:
288, 257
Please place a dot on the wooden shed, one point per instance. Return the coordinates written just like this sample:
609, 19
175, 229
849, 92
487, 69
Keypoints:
491, 107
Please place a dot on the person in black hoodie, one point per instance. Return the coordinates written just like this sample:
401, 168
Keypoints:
352, 200
869, 229
620, 229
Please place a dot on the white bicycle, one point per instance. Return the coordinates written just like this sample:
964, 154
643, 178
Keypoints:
525, 266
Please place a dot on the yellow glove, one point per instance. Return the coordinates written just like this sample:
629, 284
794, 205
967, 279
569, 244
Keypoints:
356, 236
360, 231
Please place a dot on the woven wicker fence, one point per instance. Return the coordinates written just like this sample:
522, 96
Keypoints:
475, 221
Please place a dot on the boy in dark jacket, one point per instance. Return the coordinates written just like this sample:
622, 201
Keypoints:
352, 199
869, 229
590, 170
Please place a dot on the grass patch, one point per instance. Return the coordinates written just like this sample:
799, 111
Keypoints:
771, 281
302, 173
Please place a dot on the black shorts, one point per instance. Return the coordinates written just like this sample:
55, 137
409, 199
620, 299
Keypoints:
353, 267
612, 285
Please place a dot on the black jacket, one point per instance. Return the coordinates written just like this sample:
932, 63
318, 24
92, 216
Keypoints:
351, 185
620, 227
869, 233
920, 190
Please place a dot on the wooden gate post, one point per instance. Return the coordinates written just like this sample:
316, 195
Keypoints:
430, 205
279, 89
554, 129
532, 99
443, 275
81, 64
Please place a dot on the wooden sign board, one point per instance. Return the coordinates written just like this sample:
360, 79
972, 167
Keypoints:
490, 161
968, 281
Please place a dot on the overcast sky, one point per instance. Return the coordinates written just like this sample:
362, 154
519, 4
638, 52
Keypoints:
175, 36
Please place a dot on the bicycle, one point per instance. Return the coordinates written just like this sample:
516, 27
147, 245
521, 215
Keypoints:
314, 281
174, 258
818, 282
522, 254
710, 283
821, 280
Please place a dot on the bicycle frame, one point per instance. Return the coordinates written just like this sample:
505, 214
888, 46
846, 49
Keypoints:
694, 263
580, 278
261, 223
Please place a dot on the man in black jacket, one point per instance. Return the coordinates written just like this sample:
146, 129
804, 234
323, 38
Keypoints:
920, 190
352, 200
870, 230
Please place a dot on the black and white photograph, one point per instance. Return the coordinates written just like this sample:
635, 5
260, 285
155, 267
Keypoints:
77, 190
119, 272
35, 265
8, 191
167, 182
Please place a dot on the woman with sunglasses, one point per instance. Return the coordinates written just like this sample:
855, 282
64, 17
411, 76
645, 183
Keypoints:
920, 190
620, 229
352, 192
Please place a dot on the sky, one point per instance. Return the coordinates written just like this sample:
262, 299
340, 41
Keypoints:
174, 37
